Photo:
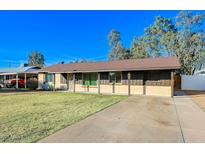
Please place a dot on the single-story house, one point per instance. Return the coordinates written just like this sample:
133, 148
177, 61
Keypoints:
23, 72
149, 76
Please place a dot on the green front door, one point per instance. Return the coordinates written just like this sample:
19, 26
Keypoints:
93, 79
86, 80
90, 79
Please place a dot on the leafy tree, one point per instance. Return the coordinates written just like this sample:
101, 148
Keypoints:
36, 59
138, 49
183, 38
114, 37
117, 50
155, 35
189, 41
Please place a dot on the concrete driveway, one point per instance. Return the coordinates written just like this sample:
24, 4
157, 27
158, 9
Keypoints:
137, 119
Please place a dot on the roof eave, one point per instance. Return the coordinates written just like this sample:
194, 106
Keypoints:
114, 70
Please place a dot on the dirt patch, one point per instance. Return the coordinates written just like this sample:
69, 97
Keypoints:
163, 122
166, 103
198, 97
160, 111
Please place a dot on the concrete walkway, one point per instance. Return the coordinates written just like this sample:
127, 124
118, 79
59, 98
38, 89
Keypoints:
137, 119
191, 118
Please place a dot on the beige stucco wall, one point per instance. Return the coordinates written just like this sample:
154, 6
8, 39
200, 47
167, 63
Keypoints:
57, 80
80, 88
40, 80
121, 89
58, 84
136, 90
106, 88
93, 89
158, 90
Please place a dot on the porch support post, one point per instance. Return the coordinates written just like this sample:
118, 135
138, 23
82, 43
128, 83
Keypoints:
129, 76
74, 82
172, 83
4, 80
17, 83
54, 81
40, 81
67, 81
144, 83
98, 83
4, 77
25, 80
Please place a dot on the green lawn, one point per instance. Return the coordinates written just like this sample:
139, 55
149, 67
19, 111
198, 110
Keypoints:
28, 117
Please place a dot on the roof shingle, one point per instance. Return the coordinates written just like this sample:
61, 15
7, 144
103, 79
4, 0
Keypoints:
117, 65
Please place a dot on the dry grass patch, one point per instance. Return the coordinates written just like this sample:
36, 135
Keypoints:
29, 117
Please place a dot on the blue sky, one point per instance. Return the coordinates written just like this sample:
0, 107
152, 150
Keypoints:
67, 35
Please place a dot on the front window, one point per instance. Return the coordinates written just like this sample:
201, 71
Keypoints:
63, 78
49, 77
115, 77
112, 77
78, 76
1, 78
104, 76
118, 77
8, 77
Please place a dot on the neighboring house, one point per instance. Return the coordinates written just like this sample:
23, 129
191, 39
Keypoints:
200, 72
23, 72
150, 76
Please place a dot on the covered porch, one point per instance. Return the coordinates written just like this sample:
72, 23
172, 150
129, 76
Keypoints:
155, 82
5, 78
24, 77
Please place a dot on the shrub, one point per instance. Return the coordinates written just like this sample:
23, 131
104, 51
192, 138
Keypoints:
32, 83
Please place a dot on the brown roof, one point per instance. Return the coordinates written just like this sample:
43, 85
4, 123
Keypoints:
117, 65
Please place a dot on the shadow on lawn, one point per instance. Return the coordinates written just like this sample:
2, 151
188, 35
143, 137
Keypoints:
13, 90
